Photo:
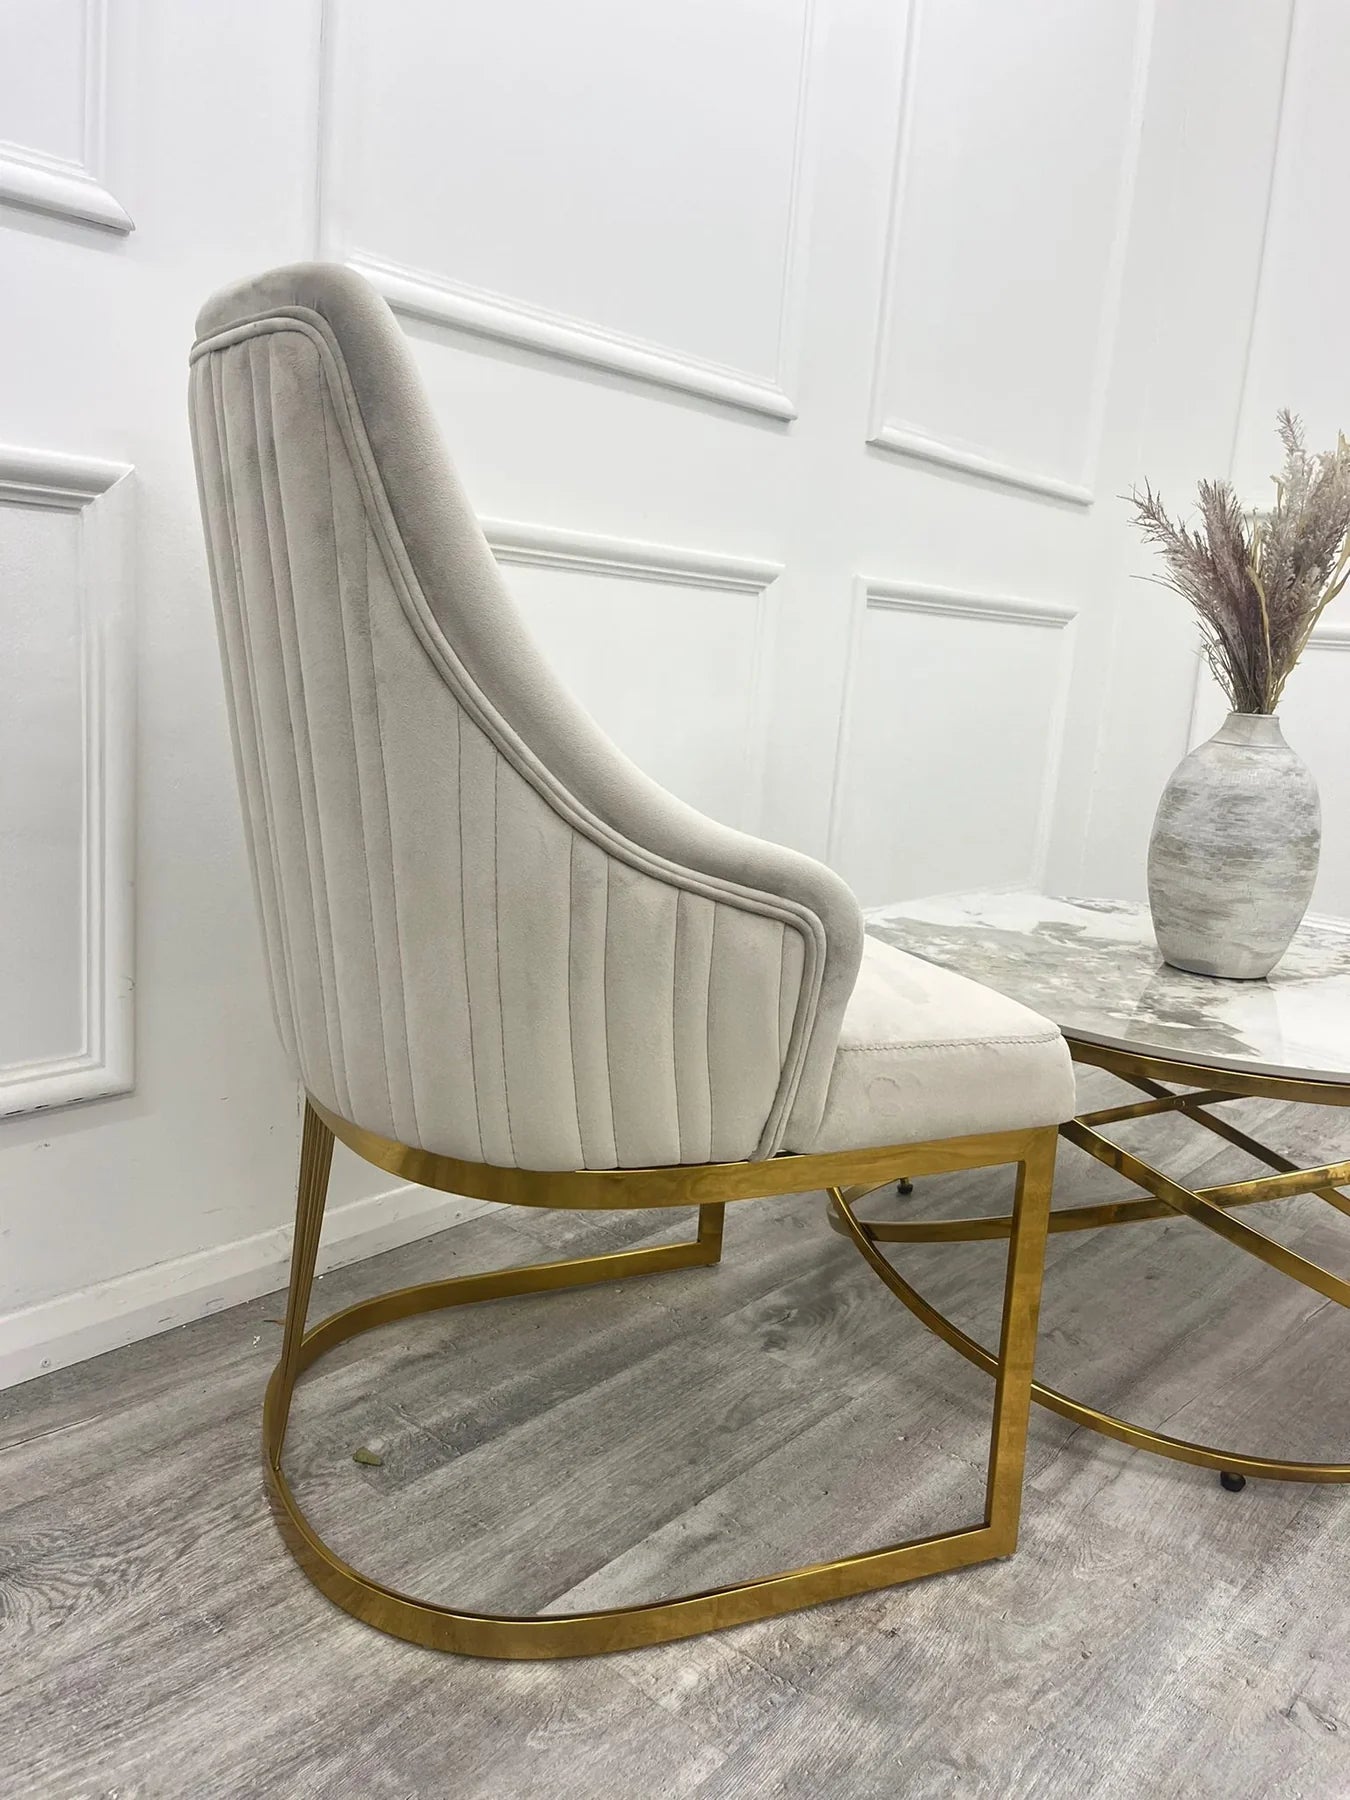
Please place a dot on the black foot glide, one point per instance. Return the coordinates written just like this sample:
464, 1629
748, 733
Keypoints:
1233, 1483
905, 1187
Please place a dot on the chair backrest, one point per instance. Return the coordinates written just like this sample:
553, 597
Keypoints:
488, 934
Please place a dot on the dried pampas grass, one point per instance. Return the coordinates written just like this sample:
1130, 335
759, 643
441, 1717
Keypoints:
1260, 582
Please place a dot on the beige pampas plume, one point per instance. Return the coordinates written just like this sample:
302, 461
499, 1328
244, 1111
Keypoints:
1260, 582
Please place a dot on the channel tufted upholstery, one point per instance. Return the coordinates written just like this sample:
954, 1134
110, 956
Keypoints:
489, 935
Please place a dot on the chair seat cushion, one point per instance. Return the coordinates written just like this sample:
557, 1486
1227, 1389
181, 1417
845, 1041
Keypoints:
926, 1054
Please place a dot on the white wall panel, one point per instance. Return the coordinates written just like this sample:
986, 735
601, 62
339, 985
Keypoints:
666, 647
67, 738
1014, 172
949, 740
52, 100
615, 184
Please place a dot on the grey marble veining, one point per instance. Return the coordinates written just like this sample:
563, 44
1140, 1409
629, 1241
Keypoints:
1093, 967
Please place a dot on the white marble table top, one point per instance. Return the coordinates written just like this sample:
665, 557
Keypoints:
1092, 966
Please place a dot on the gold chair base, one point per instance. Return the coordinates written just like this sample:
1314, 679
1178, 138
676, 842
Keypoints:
1209, 1207
709, 1187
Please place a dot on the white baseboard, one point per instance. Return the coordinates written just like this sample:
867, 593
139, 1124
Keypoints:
72, 1327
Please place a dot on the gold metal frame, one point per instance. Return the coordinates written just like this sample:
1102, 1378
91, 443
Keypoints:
1211, 1207
709, 1187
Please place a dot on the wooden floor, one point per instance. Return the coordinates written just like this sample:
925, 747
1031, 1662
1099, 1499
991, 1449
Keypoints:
1154, 1636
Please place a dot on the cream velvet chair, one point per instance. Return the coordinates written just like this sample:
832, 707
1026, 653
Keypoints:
505, 963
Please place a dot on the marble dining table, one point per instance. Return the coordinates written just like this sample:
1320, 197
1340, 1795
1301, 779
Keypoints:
1093, 967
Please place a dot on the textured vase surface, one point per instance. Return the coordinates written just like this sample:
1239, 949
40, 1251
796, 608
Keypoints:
1233, 856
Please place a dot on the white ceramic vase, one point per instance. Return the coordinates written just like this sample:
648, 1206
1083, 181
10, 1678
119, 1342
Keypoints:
1233, 856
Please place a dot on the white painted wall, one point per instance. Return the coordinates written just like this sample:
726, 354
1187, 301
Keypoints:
794, 353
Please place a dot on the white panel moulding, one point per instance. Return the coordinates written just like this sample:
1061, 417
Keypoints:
633, 559
961, 604
877, 595
551, 547
909, 439
98, 493
424, 294
31, 178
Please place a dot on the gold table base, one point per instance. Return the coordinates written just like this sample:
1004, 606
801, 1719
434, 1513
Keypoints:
1211, 1207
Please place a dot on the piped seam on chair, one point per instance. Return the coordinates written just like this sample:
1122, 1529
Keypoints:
970, 1043
782, 958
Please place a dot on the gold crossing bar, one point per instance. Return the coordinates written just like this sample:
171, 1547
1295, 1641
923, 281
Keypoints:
1163, 1103
1277, 1187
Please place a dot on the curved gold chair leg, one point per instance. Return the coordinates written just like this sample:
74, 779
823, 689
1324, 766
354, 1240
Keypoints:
628, 1627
